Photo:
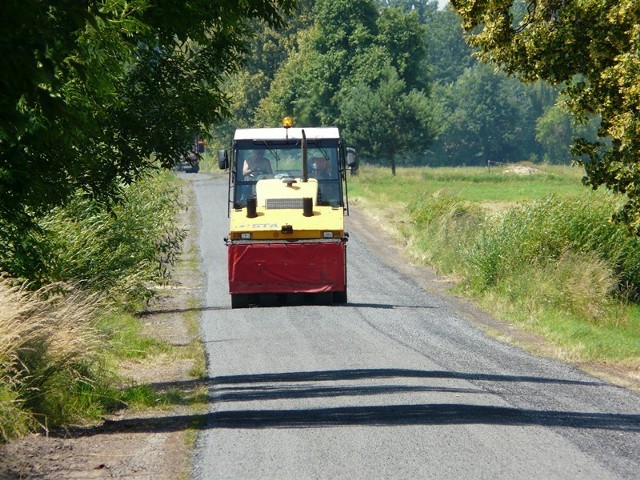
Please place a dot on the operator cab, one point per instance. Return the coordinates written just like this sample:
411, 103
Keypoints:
259, 154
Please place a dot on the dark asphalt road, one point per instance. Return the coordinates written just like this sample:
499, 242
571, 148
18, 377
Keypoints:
395, 384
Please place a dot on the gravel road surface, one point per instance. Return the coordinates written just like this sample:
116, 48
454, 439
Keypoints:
398, 383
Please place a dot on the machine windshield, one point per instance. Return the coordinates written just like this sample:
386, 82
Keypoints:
258, 160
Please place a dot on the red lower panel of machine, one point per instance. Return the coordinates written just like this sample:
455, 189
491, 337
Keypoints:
287, 267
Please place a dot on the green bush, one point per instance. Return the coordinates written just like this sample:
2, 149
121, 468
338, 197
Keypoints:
578, 285
124, 250
563, 254
443, 227
542, 232
425, 209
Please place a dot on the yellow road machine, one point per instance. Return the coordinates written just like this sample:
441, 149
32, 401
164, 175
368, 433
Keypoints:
287, 201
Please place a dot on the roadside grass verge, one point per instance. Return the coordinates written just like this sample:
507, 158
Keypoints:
70, 320
123, 250
544, 255
59, 354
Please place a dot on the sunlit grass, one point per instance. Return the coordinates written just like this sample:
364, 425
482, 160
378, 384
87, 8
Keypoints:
61, 346
126, 340
472, 184
49, 357
140, 397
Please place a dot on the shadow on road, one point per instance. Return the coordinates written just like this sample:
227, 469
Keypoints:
430, 414
256, 393
367, 374
380, 416
284, 304
252, 387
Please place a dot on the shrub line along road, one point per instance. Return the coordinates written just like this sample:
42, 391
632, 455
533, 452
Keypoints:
395, 384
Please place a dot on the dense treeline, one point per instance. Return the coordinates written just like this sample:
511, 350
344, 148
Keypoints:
398, 77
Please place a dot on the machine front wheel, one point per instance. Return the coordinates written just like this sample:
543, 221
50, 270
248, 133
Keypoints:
340, 297
239, 300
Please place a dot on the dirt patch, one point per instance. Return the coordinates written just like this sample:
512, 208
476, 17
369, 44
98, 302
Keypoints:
522, 170
100, 452
154, 444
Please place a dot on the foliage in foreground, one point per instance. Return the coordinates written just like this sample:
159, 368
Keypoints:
93, 90
60, 331
59, 350
124, 251
542, 233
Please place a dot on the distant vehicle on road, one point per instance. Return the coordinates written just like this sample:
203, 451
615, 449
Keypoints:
190, 162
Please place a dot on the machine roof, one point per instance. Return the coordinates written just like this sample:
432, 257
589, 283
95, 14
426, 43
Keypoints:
283, 133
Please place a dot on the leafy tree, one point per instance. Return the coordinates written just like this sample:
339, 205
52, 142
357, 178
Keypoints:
402, 36
386, 121
344, 30
592, 47
349, 42
448, 53
484, 117
301, 88
95, 92
423, 8
344, 25
269, 49
347, 63
555, 131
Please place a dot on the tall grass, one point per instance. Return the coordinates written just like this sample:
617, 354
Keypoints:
443, 227
546, 231
125, 250
556, 263
48, 357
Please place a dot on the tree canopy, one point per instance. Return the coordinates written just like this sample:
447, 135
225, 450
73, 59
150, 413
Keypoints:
401, 82
93, 93
387, 121
592, 48
360, 67
486, 118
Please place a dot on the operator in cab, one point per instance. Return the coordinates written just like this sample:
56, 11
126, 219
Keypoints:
321, 168
256, 165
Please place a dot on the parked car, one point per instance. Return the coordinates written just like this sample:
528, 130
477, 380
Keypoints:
190, 163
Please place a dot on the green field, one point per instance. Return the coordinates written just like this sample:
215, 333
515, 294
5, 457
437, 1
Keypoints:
473, 184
